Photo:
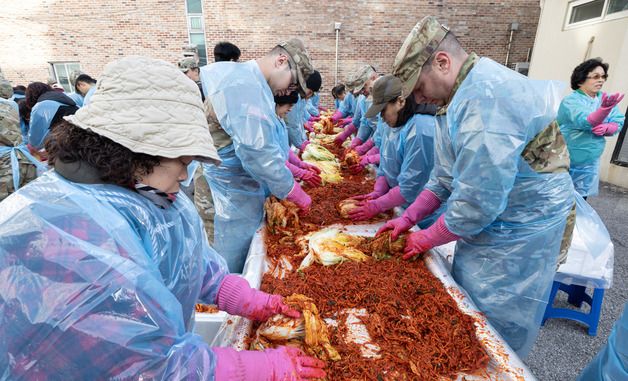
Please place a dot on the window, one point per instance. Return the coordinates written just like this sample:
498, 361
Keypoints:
62, 72
620, 154
196, 29
582, 12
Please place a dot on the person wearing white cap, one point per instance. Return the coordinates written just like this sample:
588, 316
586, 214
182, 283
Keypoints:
241, 97
102, 262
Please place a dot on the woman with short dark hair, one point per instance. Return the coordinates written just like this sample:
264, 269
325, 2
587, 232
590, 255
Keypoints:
103, 260
586, 117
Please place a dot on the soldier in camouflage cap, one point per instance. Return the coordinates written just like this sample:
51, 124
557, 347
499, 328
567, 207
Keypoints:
361, 78
501, 167
10, 145
299, 61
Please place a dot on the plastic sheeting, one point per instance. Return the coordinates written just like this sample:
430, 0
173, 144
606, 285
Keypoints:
611, 363
591, 254
294, 122
97, 282
586, 178
511, 218
347, 106
504, 364
41, 116
15, 165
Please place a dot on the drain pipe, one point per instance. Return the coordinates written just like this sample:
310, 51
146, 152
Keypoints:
337, 28
513, 27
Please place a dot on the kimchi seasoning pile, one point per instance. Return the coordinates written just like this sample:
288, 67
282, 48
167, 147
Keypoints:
416, 325
421, 333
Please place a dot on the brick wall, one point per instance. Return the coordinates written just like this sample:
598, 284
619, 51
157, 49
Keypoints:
93, 32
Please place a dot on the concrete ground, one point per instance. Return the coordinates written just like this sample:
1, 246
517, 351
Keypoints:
563, 347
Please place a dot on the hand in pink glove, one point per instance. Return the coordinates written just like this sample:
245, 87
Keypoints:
236, 297
314, 118
355, 142
611, 129
424, 205
364, 161
423, 240
309, 126
608, 102
381, 188
299, 197
336, 116
350, 129
279, 364
309, 167
310, 178
364, 148
305, 144
369, 209
345, 121
605, 129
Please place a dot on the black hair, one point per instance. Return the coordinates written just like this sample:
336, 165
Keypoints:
314, 81
83, 78
291, 98
25, 112
21, 88
337, 90
226, 51
34, 91
115, 164
580, 73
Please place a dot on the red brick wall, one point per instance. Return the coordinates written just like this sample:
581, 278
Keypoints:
96, 32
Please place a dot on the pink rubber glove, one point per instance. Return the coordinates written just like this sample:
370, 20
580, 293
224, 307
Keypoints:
369, 209
314, 118
373, 151
310, 167
355, 142
381, 188
364, 148
299, 197
321, 108
350, 129
423, 206
364, 161
336, 117
280, 364
293, 158
423, 240
345, 121
309, 126
236, 297
310, 178
605, 129
608, 102
305, 144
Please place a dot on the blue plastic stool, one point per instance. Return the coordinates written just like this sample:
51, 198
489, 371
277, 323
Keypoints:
577, 295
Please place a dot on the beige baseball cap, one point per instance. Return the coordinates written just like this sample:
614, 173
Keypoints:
420, 44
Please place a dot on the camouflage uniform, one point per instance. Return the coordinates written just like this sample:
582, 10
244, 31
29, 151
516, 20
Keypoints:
10, 136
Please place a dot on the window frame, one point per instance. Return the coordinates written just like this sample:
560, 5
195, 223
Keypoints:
188, 18
602, 18
68, 72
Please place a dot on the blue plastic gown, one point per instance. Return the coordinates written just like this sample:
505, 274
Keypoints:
511, 218
88, 96
16, 97
585, 148
77, 98
347, 106
380, 131
366, 126
312, 106
245, 108
337, 103
407, 158
611, 363
41, 116
98, 283
15, 164
294, 121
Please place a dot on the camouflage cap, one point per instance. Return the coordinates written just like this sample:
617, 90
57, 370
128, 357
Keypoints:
385, 89
300, 60
6, 90
187, 64
420, 44
357, 80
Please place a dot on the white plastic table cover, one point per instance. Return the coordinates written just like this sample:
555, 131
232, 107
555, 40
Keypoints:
504, 364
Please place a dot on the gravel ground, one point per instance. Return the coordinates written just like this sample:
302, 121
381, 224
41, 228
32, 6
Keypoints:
563, 347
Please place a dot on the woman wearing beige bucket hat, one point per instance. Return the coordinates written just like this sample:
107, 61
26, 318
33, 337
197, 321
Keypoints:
102, 261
